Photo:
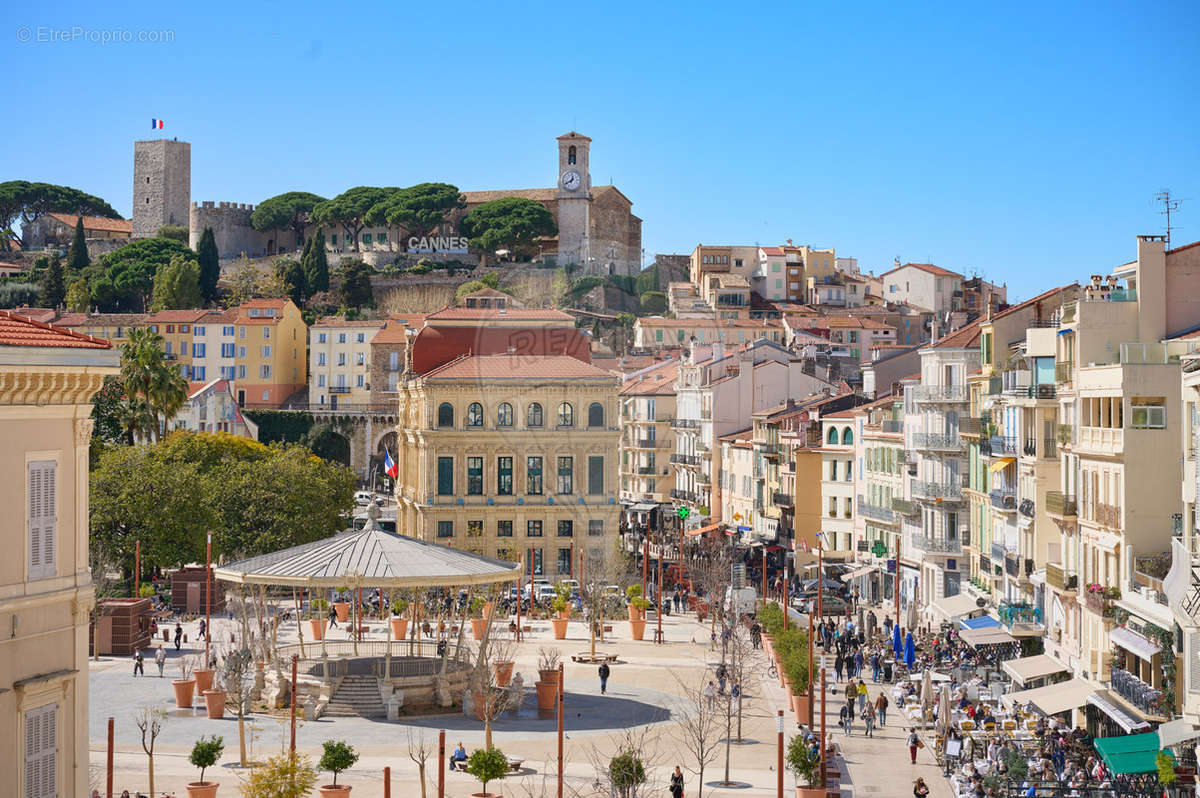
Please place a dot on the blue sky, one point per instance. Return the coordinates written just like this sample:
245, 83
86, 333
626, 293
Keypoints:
1016, 141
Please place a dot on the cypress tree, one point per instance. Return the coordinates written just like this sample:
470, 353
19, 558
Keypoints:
210, 265
77, 256
54, 284
316, 267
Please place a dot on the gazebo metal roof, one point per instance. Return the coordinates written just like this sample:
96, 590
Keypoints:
371, 557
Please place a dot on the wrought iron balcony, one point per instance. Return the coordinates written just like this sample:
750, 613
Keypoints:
936, 544
1108, 515
685, 423
1026, 508
1004, 500
1138, 693
891, 425
905, 507
339, 389
970, 425
945, 491
940, 393
936, 442
685, 495
1002, 446
650, 443
875, 512
685, 459
769, 449
782, 499
1059, 504
1064, 372
647, 471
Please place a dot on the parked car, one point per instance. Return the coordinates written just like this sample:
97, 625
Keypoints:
546, 593
363, 497
830, 604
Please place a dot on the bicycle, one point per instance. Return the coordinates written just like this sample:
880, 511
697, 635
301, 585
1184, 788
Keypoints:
772, 671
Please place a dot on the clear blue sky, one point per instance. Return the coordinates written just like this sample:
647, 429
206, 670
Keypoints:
1021, 142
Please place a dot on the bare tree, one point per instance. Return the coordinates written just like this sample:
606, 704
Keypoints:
420, 749
624, 768
736, 651
699, 731
710, 564
612, 567
237, 676
491, 699
150, 722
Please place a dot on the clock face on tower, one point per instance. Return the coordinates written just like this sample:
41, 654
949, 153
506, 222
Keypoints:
571, 180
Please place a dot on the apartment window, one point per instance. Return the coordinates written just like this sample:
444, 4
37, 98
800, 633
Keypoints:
341, 338
504, 476
41, 752
533, 417
445, 529
333, 240
170, 328
566, 415
566, 529
360, 359
167, 347
504, 415
264, 372
359, 380
1146, 413
228, 372
341, 358
393, 361
504, 529
533, 476
595, 415
264, 351
474, 476
596, 474
445, 476
321, 338
198, 350
393, 382
267, 330
474, 415
658, 336
227, 350
564, 561
474, 529
241, 331
833, 470
366, 238
320, 358
833, 507
241, 372
445, 415
566, 476
227, 331
266, 396
42, 478
198, 373
533, 529
595, 528
320, 380
361, 338
241, 351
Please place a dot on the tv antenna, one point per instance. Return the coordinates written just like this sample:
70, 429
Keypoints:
1169, 204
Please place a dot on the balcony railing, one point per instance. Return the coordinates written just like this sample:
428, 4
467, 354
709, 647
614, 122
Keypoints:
1098, 602
875, 512
706, 415
940, 393
997, 551
339, 389
946, 491
891, 425
970, 425
936, 544
782, 499
1019, 614
769, 449
1064, 372
1057, 503
1056, 576
1108, 515
647, 471
1107, 440
1026, 508
685, 459
1002, 446
937, 442
650, 443
685, 495
1003, 500
905, 507
1138, 693
685, 423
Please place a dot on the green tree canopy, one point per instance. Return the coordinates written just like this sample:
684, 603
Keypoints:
291, 272
210, 264
417, 209
123, 280
349, 210
512, 223
316, 267
31, 201
77, 256
53, 285
290, 210
177, 285
153, 388
356, 285
175, 232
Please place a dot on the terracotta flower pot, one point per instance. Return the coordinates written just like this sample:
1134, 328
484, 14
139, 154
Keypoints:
488, 607
563, 613
550, 676
202, 789
547, 694
560, 628
343, 612
214, 702
637, 629
183, 692
204, 679
399, 628
329, 791
318, 627
634, 613
810, 792
800, 707
477, 627
504, 672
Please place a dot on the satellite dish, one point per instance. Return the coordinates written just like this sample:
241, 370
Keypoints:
980, 603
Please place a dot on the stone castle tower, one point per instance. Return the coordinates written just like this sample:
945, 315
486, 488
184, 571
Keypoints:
574, 198
162, 185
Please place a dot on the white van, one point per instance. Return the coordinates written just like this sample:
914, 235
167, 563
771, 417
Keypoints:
740, 602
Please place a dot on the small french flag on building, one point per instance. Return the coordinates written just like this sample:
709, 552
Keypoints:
156, 124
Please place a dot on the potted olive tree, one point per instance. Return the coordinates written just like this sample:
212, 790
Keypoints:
398, 621
185, 685
337, 757
342, 606
205, 754
478, 620
627, 773
487, 764
562, 613
805, 767
319, 618
282, 776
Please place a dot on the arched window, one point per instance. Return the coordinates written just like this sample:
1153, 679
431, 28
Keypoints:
445, 415
847, 436
566, 415
832, 437
504, 415
534, 415
595, 415
571, 154
474, 415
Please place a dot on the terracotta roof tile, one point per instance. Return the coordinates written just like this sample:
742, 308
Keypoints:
99, 223
16, 330
656, 382
342, 321
435, 346
925, 267
517, 367
44, 315
395, 330
516, 314
176, 316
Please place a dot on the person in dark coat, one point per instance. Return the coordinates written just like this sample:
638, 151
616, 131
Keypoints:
178, 635
604, 672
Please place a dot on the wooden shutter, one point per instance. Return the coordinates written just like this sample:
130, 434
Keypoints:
43, 519
41, 752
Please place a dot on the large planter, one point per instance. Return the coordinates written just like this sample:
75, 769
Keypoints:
810, 792
563, 614
637, 629
214, 702
477, 627
329, 791
343, 612
488, 607
550, 676
399, 628
204, 679
183, 692
504, 672
635, 614
547, 694
202, 789
800, 707
318, 627
560, 628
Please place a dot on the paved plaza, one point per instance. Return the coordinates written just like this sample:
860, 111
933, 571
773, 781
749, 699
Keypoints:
644, 691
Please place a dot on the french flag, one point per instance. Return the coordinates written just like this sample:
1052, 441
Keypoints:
389, 465
156, 124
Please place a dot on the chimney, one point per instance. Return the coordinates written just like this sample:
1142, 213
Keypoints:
718, 350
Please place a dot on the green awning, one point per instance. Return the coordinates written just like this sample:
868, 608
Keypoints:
1133, 762
1130, 753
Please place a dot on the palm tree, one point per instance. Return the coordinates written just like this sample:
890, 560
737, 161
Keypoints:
154, 390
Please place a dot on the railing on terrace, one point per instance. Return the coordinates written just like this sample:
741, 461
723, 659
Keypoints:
685, 459
647, 471
782, 499
1019, 614
685, 423
1106, 439
950, 491
940, 393
891, 425
875, 512
1057, 577
348, 408
1003, 499
706, 414
970, 425
1097, 601
1138, 693
905, 507
937, 442
1016, 381
1150, 569
1064, 372
936, 544
1108, 515
650, 443
1002, 446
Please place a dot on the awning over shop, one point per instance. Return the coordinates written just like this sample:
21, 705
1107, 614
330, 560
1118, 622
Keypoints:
1175, 732
982, 622
847, 577
1026, 669
1133, 642
1133, 753
1099, 700
1053, 698
1001, 463
643, 507
701, 530
952, 607
1135, 762
993, 636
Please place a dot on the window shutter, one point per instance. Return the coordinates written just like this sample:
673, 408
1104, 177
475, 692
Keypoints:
41, 752
43, 519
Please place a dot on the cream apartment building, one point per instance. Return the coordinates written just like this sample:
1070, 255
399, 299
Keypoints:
47, 378
647, 402
879, 468
837, 479
339, 361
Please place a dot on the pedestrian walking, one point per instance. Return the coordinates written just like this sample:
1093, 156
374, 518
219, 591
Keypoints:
881, 707
178, 636
858, 663
139, 661
676, 788
332, 617
914, 742
710, 693
862, 695
722, 674
869, 719
846, 718
839, 662
875, 667
604, 672
203, 628
160, 659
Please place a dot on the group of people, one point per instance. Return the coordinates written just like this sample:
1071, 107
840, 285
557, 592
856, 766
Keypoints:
860, 704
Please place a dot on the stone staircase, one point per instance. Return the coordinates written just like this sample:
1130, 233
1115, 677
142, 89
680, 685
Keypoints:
356, 697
